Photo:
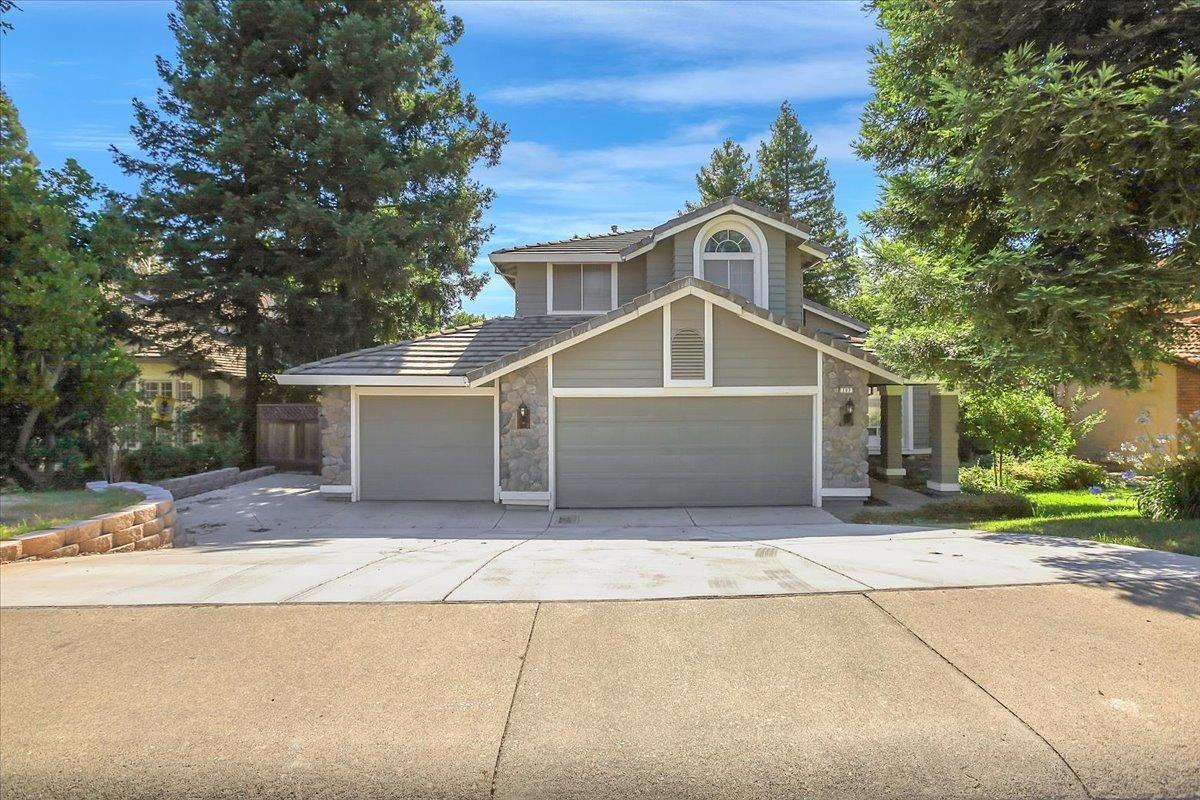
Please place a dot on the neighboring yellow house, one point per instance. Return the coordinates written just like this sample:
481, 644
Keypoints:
169, 384
1155, 409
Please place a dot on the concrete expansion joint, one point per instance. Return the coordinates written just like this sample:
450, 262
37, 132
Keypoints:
512, 701
1075, 775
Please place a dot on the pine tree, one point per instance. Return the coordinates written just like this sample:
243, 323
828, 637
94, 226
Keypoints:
307, 176
728, 173
1039, 163
794, 181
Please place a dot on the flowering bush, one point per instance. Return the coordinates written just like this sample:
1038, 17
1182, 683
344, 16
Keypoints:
1172, 464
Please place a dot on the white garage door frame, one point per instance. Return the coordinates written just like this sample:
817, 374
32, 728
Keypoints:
815, 391
357, 392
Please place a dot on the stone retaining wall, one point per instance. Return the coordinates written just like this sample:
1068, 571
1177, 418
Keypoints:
145, 526
189, 485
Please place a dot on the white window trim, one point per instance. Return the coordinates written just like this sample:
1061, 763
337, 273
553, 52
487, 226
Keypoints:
707, 380
576, 312
757, 240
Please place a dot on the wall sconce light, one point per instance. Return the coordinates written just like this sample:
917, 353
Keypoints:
848, 413
523, 416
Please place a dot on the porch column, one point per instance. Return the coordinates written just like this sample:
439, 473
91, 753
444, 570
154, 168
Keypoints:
891, 422
943, 441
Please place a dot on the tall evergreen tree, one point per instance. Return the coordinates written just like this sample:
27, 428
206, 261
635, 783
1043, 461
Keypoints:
728, 173
1040, 163
793, 180
307, 176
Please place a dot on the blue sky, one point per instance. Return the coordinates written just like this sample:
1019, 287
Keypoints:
611, 107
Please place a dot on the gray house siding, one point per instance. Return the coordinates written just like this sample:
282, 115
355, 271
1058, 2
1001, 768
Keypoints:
794, 286
660, 264
531, 290
685, 261
631, 280
628, 355
745, 354
776, 270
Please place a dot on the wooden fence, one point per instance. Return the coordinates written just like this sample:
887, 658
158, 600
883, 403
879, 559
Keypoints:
289, 436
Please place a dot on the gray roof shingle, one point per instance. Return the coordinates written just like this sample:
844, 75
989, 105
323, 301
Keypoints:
446, 353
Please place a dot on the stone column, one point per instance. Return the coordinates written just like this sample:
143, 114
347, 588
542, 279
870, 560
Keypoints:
891, 435
943, 441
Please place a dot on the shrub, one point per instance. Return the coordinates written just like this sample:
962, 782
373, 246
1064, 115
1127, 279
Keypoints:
1044, 473
994, 505
1172, 493
216, 417
155, 461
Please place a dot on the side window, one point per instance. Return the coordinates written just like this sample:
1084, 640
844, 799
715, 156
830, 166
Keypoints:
581, 288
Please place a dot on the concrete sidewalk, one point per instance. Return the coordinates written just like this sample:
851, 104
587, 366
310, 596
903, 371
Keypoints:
1030, 692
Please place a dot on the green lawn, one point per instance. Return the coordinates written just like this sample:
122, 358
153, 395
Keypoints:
1108, 517
22, 512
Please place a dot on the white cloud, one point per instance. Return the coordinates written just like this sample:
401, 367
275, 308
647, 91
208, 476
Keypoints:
698, 28
93, 138
765, 83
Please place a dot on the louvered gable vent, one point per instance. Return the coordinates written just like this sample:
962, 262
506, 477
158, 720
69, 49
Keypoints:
687, 355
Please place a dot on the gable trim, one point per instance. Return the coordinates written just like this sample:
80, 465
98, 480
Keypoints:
844, 321
685, 291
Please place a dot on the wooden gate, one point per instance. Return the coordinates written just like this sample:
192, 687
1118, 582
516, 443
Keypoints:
289, 436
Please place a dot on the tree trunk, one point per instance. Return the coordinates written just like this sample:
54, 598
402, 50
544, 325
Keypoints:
250, 404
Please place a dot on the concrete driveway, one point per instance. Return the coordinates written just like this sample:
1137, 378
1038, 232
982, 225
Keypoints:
277, 541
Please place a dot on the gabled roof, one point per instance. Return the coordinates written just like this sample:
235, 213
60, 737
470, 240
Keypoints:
474, 354
447, 353
849, 349
629, 244
845, 319
153, 335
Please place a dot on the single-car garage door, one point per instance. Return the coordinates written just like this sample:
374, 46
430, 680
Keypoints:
672, 451
425, 448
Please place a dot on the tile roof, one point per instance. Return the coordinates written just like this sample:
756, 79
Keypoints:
153, 335
851, 347
600, 243
451, 352
1187, 345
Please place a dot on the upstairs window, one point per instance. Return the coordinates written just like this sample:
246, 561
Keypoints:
582, 288
729, 259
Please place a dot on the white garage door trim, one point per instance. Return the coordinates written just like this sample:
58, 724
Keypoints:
423, 391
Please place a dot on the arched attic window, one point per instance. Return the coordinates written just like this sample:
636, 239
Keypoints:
730, 259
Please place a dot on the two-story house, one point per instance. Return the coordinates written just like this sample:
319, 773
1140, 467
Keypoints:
667, 367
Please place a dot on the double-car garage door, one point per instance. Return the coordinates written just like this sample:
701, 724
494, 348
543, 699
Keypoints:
610, 452
674, 451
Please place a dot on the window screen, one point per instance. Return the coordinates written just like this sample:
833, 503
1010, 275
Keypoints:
582, 287
734, 274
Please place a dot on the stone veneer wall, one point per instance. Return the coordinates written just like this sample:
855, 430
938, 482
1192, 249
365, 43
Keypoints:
145, 526
525, 453
844, 452
335, 435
